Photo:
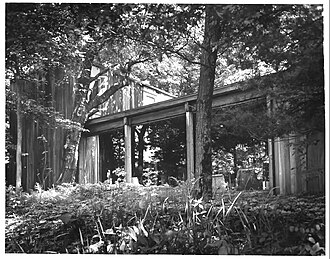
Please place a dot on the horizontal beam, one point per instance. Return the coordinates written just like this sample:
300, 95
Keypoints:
168, 109
159, 106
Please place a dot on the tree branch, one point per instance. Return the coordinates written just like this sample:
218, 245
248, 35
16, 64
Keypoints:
92, 79
99, 99
166, 50
130, 64
92, 112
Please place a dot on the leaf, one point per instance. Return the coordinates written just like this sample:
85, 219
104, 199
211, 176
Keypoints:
144, 231
311, 239
231, 206
122, 246
214, 244
261, 240
316, 248
81, 237
109, 231
136, 230
156, 238
132, 234
66, 218
169, 233
223, 250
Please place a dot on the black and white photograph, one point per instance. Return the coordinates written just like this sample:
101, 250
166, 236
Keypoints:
166, 128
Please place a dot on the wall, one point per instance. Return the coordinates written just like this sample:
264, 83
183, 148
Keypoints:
42, 144
300, 164
129, 97
133, 96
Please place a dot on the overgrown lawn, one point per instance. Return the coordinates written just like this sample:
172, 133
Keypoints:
126, 219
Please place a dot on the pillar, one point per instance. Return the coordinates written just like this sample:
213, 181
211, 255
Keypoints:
128, 150
271, 151
293, 163
190, 142
271, 163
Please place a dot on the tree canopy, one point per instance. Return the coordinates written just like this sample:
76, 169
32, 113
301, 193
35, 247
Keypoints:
280, 46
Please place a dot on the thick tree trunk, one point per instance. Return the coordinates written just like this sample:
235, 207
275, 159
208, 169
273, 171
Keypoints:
71, 146
19, 139
80, 116
204, 106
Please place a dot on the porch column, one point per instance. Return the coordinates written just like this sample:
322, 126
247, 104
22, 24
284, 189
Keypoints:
293, 163
128, 149
271, 164
190, 142
97, 176
271, 151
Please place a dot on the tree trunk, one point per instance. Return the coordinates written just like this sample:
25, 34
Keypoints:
141, 144
140, 151
19, 139
80, 116
204, 105
71, 146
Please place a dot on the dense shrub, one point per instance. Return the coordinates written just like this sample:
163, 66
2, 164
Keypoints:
103, 218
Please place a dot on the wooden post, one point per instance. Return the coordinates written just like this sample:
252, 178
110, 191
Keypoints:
283, 165
97, 177
280, 165
286, 165
82, 160
128, 150
293, 164
277, 165
19, 138
271, 163
271, 155
190, 142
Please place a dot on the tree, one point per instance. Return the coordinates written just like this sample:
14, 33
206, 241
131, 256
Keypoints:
288, 40
40, 37
126, 38
19, 141
204, 103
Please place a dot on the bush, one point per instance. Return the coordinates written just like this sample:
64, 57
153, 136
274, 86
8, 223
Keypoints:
150, 177
103, 218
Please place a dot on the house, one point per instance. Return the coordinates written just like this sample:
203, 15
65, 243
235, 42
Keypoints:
130, 97
96, 156
42, 145
297, 164
291, 170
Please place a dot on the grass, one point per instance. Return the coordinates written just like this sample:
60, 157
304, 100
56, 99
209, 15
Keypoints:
125, 219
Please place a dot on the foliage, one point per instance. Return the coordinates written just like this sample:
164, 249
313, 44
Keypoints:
150, 177
120, 174
102, 218
168, 140
277, 38
222, 162
73, 37
161, 43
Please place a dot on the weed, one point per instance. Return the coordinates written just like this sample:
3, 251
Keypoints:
126, 219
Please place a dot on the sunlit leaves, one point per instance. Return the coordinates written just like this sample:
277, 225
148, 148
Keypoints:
63, 219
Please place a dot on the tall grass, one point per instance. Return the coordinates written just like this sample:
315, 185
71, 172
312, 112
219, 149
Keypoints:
103, 218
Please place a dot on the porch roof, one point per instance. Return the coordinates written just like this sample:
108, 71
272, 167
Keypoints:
224, 96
